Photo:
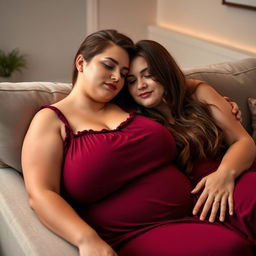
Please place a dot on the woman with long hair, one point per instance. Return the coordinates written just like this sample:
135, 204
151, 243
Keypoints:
214, 150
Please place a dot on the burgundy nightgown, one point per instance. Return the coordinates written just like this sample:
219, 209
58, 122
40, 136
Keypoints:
123, 183
244, 218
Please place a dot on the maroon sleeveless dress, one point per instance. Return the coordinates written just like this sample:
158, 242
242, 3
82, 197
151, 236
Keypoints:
124, 184
244, 218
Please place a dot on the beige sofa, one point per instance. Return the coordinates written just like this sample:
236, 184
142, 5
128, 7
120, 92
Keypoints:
21, 233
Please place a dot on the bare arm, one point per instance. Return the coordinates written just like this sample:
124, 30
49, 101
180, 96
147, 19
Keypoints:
234, 107
42, 155
219, 186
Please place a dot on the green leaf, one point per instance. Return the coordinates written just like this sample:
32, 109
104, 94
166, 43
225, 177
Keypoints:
11, 62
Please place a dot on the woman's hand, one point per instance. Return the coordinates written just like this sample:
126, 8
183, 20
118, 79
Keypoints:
95, 247
217, 196
234, 109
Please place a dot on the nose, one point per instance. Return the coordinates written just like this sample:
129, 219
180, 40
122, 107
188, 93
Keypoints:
141, 84
115, 76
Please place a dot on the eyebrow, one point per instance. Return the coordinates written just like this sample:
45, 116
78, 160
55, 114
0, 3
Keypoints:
116, 62
141, 72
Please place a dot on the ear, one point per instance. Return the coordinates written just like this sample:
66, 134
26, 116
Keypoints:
80, 63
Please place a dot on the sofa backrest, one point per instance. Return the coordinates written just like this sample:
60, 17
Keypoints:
236, 79
19, 103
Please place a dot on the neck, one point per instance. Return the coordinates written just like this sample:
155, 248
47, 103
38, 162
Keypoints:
79, 100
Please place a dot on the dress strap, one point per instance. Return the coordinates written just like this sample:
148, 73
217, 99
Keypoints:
61, 117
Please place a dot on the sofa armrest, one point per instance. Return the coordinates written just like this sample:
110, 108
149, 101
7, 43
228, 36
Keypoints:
21, 233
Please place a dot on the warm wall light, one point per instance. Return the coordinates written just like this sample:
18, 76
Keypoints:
210, 38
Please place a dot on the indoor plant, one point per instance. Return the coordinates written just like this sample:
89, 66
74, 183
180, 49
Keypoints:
11, 62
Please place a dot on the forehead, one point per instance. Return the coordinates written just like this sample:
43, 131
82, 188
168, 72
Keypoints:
137, 64
117, 53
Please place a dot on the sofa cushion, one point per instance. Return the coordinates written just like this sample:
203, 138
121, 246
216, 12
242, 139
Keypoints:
19, 103
252, 107
235, 79
21, 232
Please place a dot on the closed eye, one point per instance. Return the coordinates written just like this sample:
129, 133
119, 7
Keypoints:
131, 81
149, 76
108, 66
123, 75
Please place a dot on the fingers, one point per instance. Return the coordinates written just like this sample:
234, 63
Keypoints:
227, 98
223, 208
215, 208
210, 203
219, 205
214, 205
239, 116
236, 111
231, 204
216, 198
201, 200
199, 186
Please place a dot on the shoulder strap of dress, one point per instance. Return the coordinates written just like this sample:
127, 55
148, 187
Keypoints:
61, 117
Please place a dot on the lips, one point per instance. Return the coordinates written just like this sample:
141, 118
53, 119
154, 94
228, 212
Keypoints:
111, 86
145, 95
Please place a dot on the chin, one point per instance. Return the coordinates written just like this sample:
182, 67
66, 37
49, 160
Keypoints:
107, 99
147, 105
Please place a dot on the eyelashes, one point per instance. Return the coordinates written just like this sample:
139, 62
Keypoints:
133, 81
109, 67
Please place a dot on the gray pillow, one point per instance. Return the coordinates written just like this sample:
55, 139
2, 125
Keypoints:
19, 103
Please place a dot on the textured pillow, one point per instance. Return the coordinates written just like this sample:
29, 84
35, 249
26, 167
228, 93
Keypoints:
19, 103
252, 107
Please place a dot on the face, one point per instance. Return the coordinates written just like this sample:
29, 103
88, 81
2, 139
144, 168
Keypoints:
103, 76
144, 89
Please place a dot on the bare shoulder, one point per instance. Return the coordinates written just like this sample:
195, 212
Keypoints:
45, 114
46, 119
42, 152
193, 82
206, 93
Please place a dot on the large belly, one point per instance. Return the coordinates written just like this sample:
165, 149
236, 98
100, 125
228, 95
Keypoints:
160, 195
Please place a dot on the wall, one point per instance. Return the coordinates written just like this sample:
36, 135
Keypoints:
48, 32
210, 20
190, 51
131, 17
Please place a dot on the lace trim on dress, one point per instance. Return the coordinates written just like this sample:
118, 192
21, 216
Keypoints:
104, 130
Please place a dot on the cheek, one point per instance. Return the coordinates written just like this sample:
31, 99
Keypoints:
131, 90
158, 96
97, 70
160, 92
121, 83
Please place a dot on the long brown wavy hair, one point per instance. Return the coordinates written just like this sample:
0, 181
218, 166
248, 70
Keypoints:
194, 130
